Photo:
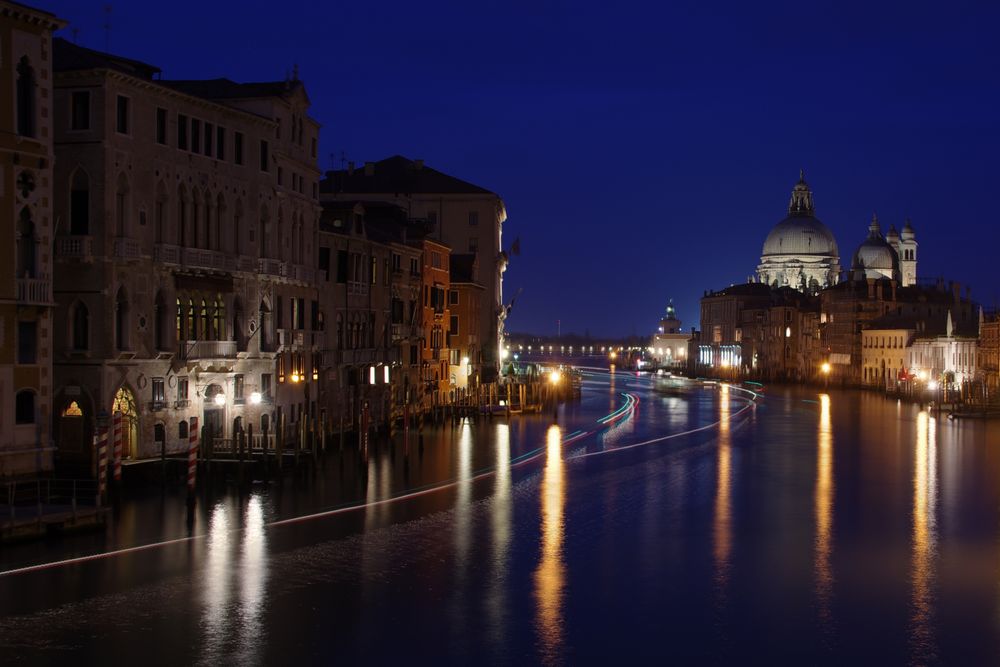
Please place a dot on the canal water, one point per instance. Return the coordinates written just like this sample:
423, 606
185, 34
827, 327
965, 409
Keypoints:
806, 525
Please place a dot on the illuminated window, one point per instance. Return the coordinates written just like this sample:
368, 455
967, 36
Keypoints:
72, 410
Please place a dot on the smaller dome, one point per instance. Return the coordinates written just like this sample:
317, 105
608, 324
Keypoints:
892, 234
908, 233
875, 258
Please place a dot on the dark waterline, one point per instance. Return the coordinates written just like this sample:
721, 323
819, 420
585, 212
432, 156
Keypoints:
810, 527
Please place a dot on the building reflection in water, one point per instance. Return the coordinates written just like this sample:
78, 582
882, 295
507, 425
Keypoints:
924, 537
722, 527
551, 572
823, 571
496, 601
216, 588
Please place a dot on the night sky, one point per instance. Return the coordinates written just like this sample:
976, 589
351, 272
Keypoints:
643, 151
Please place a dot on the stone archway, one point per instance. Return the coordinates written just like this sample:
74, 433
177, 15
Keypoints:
124, 403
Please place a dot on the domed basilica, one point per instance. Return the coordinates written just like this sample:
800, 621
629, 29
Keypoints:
801, 252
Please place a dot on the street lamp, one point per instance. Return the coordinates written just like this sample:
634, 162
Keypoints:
220, 399
255, 398
825, 368
554, 377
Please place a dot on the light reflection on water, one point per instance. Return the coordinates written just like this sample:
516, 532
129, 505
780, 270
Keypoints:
924, 538
550, 575
215, 605
722, 524
253, 579
501, 516
824, 512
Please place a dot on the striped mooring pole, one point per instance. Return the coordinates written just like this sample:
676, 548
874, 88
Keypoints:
192, 453
102, 463
117, 421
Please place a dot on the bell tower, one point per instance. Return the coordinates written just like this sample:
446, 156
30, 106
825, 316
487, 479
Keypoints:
906, 248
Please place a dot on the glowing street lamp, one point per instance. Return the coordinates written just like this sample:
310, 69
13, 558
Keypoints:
255, 398
554, 377
220, 399
825, 368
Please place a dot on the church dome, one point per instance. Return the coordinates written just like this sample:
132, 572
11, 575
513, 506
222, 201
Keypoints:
801, 233
875, 257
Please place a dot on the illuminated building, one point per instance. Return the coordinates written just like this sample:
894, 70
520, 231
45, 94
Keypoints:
465, 301
989, 350
436, 320
185, 260
466, 217
669, 344
27, 220
800, 252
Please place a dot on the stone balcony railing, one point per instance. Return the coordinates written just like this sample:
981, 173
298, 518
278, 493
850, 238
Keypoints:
207, 349
127, 249
271, 267
75, 247
34, 291
287, 338
167, 254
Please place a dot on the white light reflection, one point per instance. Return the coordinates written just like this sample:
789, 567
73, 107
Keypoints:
496, 601
824, 510
217, 584
924, 538
463, 500
253, 582
551, 572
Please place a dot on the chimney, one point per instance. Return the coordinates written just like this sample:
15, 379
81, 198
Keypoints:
369, 168
350, 168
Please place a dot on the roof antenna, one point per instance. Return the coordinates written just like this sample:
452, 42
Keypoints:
107, 28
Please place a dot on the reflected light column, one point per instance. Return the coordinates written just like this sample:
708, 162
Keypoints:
722, 526
924, 537
215, 619
496, 601
824, 510
253, 582
551, 572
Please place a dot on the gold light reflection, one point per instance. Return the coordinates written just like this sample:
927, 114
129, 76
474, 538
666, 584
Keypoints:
551, 573
217, 585
824, 509
722, 528
924, 536
253, 582
463, 501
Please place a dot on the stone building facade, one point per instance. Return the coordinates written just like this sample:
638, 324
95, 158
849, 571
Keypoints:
185, 256
465, 302
27, 224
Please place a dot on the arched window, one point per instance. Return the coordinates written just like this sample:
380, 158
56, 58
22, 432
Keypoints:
160, 322
219, 319
181, 323
121, 319
81, 327
182, 430
160, 213
25, 98
192, 321
340, 331
121, 207
26, 245
79, 203
280, 236
24, 407
237, 221
196, 220
203, 322
238, 333
265, 224
182, 217
220, 213
265, 325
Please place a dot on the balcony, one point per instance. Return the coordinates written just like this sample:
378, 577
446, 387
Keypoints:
357, 287
287, 338
271, 267
403, 332
34, 291
75, 247
301, 272
207, 349
127, 249
199, 258
167, 254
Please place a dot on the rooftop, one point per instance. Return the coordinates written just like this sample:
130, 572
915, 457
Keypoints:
399, 175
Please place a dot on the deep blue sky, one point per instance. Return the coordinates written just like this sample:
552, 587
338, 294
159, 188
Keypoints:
643, 150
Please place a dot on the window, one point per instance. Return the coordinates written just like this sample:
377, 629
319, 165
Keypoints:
474, 244
455, 357
27, 245
238, 147
195, 135
281, 174
182, 389
79, 204
81, 327
161, 126
300, 315
473, 218
182, 132
265, 385
385, 272
264, 162
27, 342
158, 390
324, 262
121, 320
80, 110
122, 123
160, 322
436, 260
238, 388
209, 136
341, 266
374, 270
281, 368
220, 143
25, 98
414, 266
453, 325
24, 407
182, 430
453, 297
